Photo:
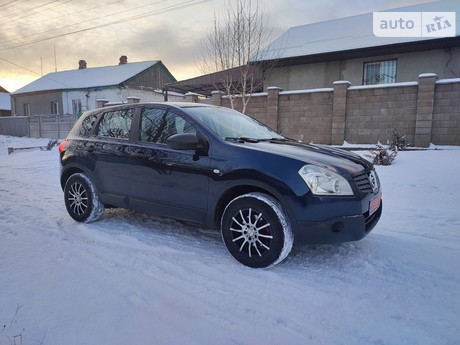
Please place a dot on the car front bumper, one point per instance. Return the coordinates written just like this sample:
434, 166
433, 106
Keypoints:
338, 229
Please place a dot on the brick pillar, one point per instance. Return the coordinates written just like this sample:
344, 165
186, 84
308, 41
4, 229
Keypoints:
216, 98
425, 106
191, 97
273, 107
339, 107
101, 102
133, 99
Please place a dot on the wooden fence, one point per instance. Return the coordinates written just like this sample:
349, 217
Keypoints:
17, 126
37, 126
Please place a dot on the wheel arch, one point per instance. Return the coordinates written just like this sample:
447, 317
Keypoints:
241, 187
69, 171
256, 223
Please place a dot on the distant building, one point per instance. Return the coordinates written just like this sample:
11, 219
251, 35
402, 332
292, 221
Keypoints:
315, 55
5, 102
205, 84
75, 91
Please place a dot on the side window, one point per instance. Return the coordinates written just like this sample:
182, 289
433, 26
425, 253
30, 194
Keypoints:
27, 109
380, 72
116, 124
76, 107
157, 125
87, 125
54, 108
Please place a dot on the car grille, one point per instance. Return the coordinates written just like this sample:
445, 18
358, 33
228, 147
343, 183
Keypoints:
363, 183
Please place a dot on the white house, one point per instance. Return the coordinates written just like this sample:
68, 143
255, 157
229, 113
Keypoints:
75, 91
5, 102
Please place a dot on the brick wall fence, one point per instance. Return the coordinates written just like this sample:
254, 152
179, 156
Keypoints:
425, 111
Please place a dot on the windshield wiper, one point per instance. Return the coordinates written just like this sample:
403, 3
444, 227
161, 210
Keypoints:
276, 139
243, 139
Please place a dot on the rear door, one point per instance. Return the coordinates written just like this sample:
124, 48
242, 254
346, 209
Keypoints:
167, 182
112, 155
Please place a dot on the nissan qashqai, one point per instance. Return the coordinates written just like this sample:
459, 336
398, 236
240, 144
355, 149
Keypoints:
221, 169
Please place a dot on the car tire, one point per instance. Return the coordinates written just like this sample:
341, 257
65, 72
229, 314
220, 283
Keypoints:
256, 230
81, 199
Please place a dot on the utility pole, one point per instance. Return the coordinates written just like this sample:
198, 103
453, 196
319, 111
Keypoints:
55, 60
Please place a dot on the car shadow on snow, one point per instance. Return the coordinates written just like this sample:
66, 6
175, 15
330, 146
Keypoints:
153, 231
130, 222
364, 258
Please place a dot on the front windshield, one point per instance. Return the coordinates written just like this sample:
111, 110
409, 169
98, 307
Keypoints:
230, 124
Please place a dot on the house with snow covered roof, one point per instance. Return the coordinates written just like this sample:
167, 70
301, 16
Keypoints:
315, 55
5, 102
75, 91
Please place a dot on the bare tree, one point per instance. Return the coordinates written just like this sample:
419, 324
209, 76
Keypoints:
240, 34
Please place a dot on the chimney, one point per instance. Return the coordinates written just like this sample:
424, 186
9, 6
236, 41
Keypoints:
123, 60
81, 64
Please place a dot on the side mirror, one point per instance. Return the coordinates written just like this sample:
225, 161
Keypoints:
184, 141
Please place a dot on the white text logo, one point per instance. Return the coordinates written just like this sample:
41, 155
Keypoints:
414, 24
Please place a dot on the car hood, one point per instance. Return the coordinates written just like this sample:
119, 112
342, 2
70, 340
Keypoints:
337, 160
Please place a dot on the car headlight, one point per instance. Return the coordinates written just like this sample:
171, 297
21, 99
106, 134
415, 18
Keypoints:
324, 182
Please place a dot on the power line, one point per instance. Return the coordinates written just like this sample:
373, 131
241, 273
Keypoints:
171, 8
9, 15
29, 70
60, 16
25, 12
87, 21
22, 67
35, 12
10, 2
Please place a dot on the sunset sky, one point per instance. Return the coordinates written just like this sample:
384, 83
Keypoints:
41, 36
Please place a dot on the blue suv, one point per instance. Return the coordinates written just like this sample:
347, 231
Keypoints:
221, 169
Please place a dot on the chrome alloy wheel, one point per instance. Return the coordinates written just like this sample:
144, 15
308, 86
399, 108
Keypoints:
78, 198
251, 232
82, 199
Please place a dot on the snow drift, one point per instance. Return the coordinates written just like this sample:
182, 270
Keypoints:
134, 279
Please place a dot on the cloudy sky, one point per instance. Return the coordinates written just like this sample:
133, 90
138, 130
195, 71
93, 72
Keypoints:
41, 36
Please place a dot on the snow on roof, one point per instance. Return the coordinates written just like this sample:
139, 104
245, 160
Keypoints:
86, 78
5, 101
346, 34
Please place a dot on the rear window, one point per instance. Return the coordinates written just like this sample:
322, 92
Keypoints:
116, 124
87, 125
84, 125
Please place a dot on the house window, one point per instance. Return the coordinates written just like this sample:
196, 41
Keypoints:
54, 108
27, 109
380, 72
76, 107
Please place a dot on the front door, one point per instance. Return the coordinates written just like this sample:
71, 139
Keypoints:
167, 182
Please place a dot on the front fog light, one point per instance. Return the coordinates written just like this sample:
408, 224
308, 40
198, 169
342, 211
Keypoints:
322, 181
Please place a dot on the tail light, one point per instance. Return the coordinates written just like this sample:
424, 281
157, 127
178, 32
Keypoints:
62, 146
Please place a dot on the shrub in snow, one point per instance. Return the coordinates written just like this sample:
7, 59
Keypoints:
10, 332
382, 155
398, 141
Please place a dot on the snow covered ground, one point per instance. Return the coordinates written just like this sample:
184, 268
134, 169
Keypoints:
133, 279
